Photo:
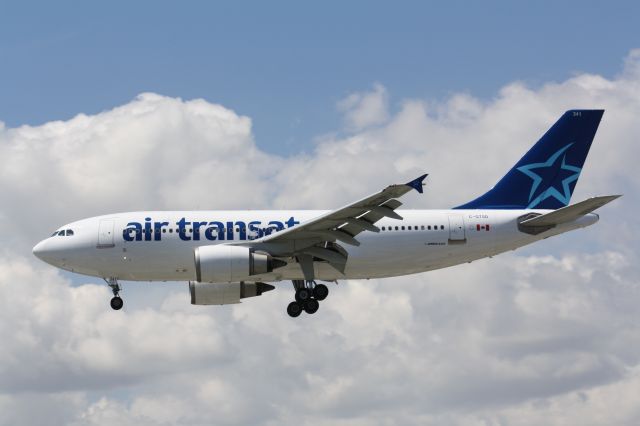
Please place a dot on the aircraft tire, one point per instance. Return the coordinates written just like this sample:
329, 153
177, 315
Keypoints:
320, 292
294, 309
303, 294
311, 306
116, 303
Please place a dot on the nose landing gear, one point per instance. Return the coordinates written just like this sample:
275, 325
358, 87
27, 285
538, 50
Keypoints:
308, 296
116, 302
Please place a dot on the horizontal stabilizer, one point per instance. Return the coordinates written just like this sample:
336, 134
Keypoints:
570, 213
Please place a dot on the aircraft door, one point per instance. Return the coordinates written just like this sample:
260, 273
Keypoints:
456, 229
105, 233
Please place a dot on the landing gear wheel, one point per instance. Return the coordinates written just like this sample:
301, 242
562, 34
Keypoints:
294, 309
303, 294
320, 292
311, 306
116, 303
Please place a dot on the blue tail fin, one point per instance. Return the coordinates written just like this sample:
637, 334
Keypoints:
545, 177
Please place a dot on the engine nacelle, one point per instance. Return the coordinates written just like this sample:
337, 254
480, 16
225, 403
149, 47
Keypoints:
226, 263
225, 293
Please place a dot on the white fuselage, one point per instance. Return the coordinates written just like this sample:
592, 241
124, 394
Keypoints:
161, 248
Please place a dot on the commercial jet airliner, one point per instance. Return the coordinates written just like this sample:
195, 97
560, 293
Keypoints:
227, 256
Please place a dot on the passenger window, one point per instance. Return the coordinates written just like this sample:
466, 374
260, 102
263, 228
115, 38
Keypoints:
69, 232
423, 227
441, 226
403, 228
383, 228
396, 228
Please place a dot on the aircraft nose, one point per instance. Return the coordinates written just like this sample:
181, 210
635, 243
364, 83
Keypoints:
48, 251
40, 251
57, 251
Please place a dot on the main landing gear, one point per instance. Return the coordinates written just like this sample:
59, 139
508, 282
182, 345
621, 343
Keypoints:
116, 301
308, 296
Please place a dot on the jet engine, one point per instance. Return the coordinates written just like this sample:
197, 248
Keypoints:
226, 263
225, 293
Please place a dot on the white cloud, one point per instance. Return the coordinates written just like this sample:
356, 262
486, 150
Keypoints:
362, 110
155, 152
548, 334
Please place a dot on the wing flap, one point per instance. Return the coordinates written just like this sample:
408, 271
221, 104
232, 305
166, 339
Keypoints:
372, 216
326, 254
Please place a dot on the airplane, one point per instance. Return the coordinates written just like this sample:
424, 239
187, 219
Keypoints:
226, 256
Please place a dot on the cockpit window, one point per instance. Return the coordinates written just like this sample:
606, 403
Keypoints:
69, 232
61, 233
54, 234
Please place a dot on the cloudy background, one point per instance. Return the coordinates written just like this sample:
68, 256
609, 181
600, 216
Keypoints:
548, 334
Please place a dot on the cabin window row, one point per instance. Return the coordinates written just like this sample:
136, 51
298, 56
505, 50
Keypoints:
413, 228
190, 230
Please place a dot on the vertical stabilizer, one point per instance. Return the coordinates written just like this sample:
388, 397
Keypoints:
546, 176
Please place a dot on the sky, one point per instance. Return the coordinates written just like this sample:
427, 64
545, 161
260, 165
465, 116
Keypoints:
286, 64
205, 105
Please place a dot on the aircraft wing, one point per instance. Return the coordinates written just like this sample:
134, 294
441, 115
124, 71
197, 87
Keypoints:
570, 213
341, 225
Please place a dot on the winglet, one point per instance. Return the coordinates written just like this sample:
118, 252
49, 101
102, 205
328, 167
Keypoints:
417, 183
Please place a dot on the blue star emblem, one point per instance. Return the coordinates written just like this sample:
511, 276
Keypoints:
550, 172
